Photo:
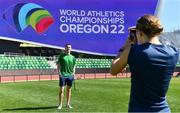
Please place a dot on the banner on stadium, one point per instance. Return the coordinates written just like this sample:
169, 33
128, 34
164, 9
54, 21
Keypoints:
91, 26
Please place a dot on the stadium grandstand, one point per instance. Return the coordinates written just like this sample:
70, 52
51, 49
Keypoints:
24, 59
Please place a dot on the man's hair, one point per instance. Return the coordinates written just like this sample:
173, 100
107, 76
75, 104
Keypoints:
150, 25
67, 44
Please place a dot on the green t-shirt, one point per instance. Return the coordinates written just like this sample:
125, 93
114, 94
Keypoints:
66, 63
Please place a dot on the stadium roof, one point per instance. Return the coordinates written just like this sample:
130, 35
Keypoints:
28, 45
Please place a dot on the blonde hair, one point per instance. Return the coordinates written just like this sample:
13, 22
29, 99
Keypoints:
150, 25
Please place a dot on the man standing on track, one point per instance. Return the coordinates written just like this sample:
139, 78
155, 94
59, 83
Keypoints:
66, 66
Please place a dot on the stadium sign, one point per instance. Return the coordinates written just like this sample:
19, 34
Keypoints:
91, 26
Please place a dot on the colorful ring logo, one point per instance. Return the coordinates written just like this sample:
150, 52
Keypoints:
25, 14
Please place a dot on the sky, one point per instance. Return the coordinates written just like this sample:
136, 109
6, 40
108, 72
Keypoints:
169, 14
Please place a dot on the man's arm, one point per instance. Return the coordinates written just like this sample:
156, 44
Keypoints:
74, 68
58, 66
59, 69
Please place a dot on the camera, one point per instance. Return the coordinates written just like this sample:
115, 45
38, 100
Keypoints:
132, 35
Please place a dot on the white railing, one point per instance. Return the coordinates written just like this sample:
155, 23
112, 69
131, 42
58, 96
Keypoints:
13, 54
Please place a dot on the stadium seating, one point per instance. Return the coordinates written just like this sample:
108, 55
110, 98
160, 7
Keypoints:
32, 62
93, 63
178, 64
23, 62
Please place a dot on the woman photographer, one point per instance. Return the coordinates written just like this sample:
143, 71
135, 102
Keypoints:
151, 65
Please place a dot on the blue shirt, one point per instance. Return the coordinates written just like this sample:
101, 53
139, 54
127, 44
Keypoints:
151, 69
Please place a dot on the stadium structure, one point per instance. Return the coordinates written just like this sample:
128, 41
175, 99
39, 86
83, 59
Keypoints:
23, 59
33, 33
26, 62
18, 57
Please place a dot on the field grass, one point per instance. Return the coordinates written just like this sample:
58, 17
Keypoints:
95, 95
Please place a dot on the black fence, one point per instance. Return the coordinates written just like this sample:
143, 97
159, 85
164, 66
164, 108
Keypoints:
81, 72
55, 71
